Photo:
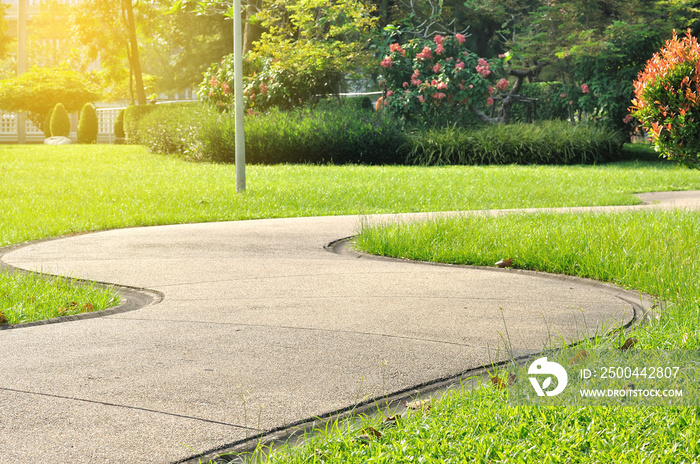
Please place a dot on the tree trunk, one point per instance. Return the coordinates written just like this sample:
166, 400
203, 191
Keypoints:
504, 111
134, 62
251, 32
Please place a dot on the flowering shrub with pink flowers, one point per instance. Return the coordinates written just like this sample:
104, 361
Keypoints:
269, 82
427, 78
667, 99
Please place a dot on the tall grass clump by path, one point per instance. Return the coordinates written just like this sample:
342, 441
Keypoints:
547, 142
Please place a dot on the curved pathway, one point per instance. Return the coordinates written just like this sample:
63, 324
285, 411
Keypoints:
259, 324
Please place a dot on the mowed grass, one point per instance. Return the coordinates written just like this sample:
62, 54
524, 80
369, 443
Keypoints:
29, 298
481, 426
656, 252
53, 191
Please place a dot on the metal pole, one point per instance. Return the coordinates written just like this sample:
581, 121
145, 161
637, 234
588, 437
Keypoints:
21, 63
238, 96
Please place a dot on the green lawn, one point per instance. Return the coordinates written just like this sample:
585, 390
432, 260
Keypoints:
29, 297
52, 191
480, 426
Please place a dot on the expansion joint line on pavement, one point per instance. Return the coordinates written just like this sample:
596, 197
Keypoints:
124, 406
310, 329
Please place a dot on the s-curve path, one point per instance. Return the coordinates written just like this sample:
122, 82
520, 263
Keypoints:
256, 325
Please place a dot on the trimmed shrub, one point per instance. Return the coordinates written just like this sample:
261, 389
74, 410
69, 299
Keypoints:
550, 142
171, 128
60, 123
667, 99
119, 126
87, 124
46, 126
132, 116
344, 135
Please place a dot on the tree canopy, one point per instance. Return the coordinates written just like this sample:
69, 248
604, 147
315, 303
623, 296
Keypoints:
39, 89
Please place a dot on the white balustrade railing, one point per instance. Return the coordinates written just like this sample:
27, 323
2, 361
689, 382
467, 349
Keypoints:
106, 117
105, 121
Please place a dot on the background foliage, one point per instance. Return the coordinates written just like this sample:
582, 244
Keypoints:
38, 90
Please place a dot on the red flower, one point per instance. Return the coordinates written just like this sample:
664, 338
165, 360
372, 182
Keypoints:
397, 48
426, 54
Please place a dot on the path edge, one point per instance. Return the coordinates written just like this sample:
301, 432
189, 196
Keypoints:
132, 298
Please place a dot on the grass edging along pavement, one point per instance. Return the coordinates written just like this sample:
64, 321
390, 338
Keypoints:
394, 403
131, 298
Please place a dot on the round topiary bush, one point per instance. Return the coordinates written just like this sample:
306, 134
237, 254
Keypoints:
46, 126
119, 126
87, 125
667, 99
60, 123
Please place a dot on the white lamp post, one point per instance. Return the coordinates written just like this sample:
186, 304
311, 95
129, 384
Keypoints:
238, 96
21, 63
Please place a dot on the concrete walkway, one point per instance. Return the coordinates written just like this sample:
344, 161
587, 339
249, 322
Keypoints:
250, 326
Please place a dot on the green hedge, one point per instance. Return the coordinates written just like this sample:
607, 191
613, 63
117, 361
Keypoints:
331, 103
345, 135
119, 126
547, 142
351, 134
169, 128
132, 117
